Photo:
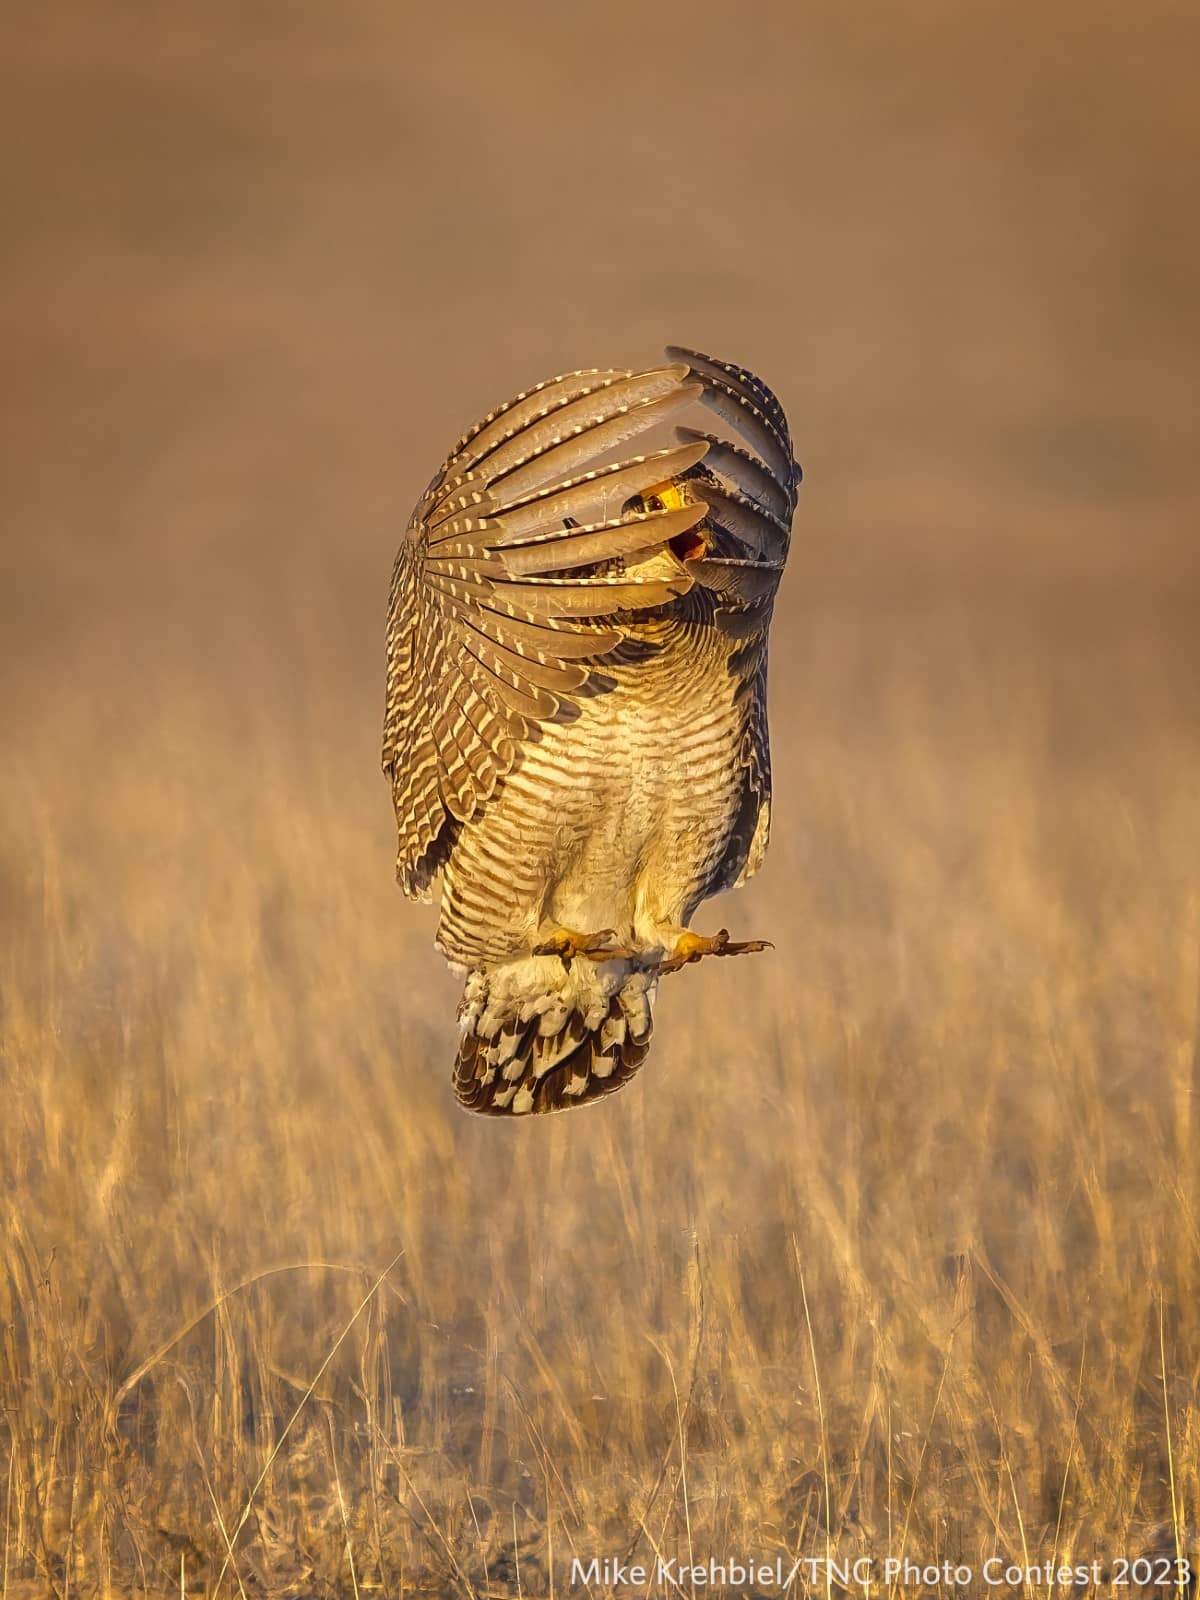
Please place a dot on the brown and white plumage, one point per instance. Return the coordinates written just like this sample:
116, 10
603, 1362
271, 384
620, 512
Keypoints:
576, 731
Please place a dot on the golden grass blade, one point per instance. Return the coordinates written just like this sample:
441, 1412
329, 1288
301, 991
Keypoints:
1180, 1583
812, 1350
317, 1376
193, 1323
341, 1500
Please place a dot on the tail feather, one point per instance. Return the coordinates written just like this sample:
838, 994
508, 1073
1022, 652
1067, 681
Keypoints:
539, 1037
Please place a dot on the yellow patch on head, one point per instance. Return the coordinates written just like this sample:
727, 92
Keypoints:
692, 544
666, 496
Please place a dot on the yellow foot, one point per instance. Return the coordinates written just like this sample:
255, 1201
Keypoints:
569, 945
691, 946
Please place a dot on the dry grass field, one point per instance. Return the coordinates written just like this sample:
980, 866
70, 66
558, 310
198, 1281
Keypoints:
894, 1246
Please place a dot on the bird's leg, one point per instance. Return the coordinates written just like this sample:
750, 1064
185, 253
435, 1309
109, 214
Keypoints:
569, 945
691, 946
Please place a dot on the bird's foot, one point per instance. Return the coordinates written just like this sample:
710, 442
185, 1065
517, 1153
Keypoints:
690, 947
569, 946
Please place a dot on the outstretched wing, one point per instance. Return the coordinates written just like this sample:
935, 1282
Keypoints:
512, 584
751, 496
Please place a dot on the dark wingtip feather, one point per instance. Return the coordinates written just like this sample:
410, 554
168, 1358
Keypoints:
750, 406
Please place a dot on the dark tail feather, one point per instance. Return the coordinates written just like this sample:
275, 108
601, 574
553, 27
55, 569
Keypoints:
538, 1037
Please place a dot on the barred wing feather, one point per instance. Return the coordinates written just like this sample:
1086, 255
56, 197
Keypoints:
751, 490
501, 603
523, 568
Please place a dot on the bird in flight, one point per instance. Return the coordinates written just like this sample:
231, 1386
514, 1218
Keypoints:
576, 722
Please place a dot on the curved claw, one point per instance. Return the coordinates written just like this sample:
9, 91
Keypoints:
743, 947
692, 946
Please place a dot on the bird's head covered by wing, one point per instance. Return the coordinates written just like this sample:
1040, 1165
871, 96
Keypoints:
546, 569
535, 545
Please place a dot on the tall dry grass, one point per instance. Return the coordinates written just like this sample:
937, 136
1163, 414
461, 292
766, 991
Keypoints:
266, 1291
894, 1245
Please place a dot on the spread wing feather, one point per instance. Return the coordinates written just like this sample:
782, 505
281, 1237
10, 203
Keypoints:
524, 409
750, 489
597, 494
522, 570
504, 598
755, 482
746, 402
616, 397
560, 451
596, 542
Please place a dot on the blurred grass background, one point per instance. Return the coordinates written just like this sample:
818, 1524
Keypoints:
893, 1246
